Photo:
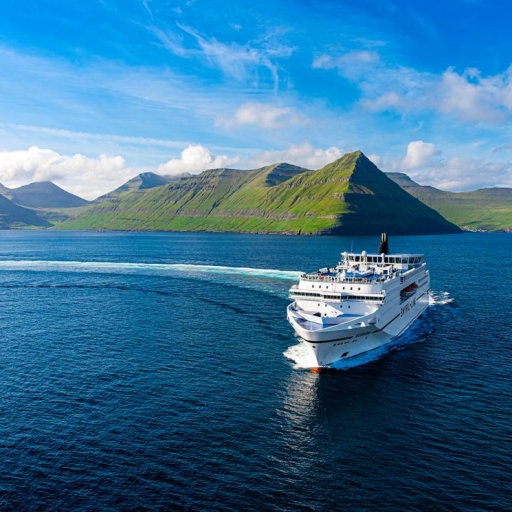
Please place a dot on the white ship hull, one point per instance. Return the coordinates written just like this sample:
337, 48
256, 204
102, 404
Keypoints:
367, 301
330, 345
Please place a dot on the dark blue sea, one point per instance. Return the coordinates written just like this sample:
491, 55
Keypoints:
158, 372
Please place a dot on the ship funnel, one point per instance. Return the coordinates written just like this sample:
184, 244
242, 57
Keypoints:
384, 246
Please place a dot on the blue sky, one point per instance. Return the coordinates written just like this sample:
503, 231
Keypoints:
92, 93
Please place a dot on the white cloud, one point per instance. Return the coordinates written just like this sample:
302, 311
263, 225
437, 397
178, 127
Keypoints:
473, 98
304, 155
424, 164
195, 159
86, 177
351, 64
464, 174
263, 115
388, 101
468, 97
419, 155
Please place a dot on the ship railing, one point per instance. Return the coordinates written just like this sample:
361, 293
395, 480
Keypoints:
349, 280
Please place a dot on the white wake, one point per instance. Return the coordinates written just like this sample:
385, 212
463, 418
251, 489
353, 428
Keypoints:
440, 299
107, 267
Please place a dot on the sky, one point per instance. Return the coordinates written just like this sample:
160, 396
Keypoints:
95, 92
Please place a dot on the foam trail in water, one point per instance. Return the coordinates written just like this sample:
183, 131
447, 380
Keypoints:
440, 299
432, 317
152, 268
301, 356
304, 360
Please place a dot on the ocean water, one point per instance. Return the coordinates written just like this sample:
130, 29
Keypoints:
158, 372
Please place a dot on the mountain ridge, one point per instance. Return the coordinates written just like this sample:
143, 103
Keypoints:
142, 181
348, 196
487, 209
42, 194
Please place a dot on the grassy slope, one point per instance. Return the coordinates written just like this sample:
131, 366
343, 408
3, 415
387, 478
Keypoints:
378, 204
348, 196
484, 209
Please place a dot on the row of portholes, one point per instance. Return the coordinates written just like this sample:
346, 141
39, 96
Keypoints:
327, 287
343, 343
318, 304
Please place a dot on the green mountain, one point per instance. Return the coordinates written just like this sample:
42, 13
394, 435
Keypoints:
43, 194
143, 181
349, 196
14, 216
487, 209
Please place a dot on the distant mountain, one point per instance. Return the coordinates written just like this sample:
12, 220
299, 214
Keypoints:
42, 194
349, 196
14, 216
487, 209
143, 181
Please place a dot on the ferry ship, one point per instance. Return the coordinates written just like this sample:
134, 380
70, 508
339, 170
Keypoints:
362, 303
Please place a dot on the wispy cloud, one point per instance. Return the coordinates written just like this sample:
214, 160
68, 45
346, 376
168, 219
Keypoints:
264, 116
145, 4
243, 63
351, 64
95, 137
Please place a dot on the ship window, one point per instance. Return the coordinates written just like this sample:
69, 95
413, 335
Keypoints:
344, 354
